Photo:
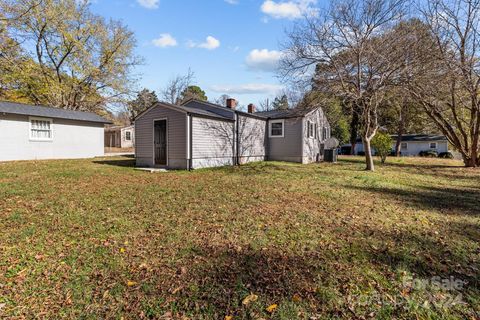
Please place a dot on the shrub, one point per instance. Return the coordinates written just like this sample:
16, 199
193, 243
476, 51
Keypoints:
382, 143
445, 155
428, 154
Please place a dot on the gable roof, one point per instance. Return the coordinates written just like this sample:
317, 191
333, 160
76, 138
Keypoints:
185, 109
218, 109
49, 112
288, 113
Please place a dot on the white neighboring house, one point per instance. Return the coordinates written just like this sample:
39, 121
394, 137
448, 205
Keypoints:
413, 144
36, 132
120, 137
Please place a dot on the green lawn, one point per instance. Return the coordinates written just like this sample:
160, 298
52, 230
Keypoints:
95, 239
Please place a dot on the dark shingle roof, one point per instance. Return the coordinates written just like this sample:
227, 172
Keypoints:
421, 137
40, 111
417, 137
218, 109
289, 113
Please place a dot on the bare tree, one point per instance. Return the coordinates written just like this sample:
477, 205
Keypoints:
354, 56
176, 86
445, 76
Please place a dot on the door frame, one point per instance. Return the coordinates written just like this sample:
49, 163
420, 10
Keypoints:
153, 142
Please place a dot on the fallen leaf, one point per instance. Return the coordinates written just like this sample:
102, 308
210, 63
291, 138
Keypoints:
131, 283
296, 298
228, 318
250, 298
122, 250
271, 308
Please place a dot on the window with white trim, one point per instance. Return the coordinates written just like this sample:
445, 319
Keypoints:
128, 135
404, 146
310, 129
316, 131
276, 128
433, 145
40, 129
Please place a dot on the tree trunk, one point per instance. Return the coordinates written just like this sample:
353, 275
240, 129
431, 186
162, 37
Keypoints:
398, 145
368, 154
352, 151
472, 160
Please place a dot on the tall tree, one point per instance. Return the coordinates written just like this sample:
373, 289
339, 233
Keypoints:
280, 103
172, 93
354, 54
193, 92
445, 75
144, 100
83, 61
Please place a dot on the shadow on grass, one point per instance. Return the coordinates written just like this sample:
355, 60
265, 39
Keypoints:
218, 279
419, 164
444, 200
122, 161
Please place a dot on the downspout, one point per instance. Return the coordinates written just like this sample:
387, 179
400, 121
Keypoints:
237, 143
189, 142
302, 137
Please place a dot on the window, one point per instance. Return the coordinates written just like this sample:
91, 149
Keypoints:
324, 133
276, 128
309, 129
40, 129
128, 135
433, 145
316, 131
403, 146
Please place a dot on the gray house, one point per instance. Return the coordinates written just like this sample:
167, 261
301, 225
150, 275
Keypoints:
35, 132
200, 134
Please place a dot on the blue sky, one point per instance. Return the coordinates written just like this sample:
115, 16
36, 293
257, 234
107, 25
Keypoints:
232, 46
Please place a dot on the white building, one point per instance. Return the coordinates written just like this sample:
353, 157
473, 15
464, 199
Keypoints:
36, 132
413, 144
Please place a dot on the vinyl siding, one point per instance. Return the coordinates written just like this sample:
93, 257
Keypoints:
413, 147
288, 147
176, 132
312, 147
71, 139
252, 139
212, 142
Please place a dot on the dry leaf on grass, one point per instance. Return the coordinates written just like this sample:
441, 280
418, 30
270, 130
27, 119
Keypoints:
249, 299
271, 308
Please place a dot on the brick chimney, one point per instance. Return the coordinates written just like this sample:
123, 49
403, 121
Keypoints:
251, 108
231, 103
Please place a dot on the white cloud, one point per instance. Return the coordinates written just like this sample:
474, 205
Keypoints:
263, 60
165, 40
292, 9
231, 1
248, 88
149, 4
210, 43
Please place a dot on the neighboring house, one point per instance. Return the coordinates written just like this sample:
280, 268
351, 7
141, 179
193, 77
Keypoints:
413, 144
36, 132
200, 134
120, 137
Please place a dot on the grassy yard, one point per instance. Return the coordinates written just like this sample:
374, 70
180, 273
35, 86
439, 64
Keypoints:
94, 239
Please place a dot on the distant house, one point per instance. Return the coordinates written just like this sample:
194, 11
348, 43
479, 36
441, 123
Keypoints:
36, 132
120, 137
200, 134
412, 144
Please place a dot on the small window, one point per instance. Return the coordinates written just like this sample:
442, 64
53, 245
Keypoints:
433, 145
40, 129
310, 129
316, 131
324, 133
276, 128
404, 146
128, 135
